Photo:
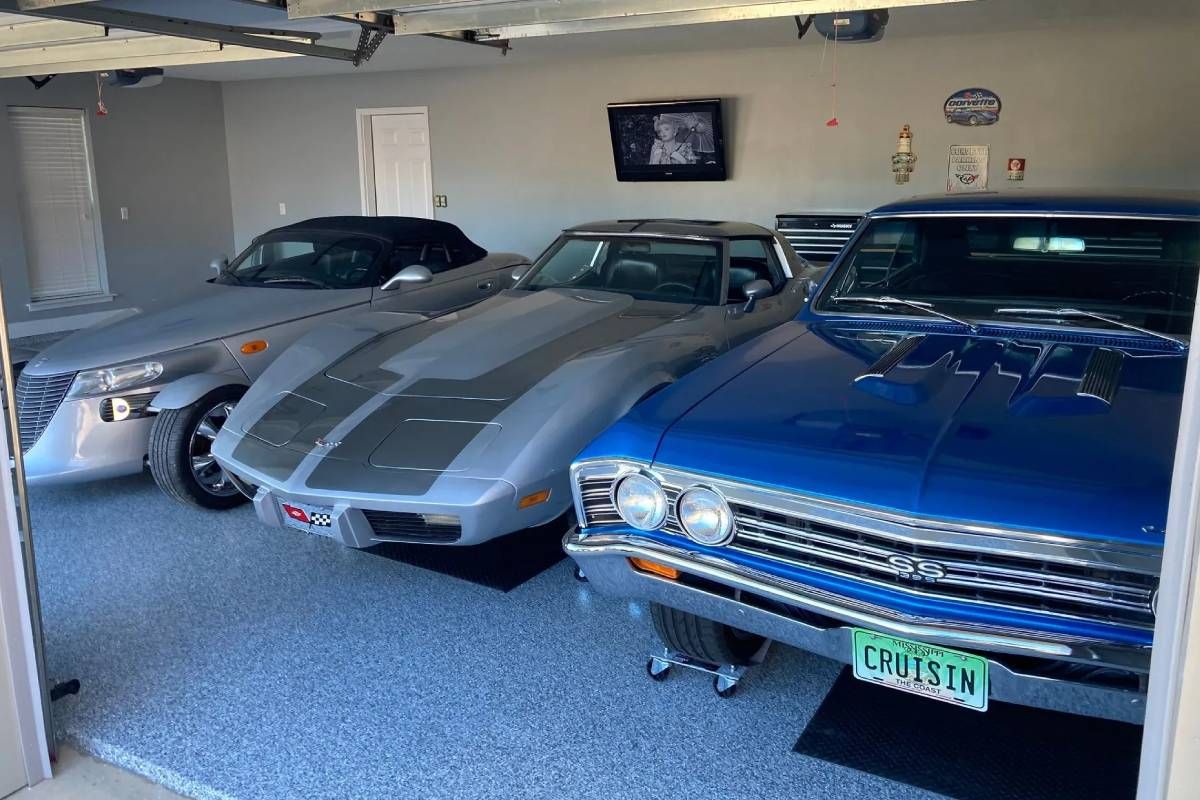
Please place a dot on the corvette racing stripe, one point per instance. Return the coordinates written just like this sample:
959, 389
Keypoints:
453, 400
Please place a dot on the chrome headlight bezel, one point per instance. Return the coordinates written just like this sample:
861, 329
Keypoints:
659, 507
719, 530
107, 380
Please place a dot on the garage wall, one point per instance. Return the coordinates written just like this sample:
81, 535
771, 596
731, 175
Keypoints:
161, 153
522, 151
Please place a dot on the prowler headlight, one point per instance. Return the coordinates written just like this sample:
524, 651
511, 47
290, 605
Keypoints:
93, 382
705, 516
641, 502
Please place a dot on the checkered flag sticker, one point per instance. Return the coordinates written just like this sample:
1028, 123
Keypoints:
319, 519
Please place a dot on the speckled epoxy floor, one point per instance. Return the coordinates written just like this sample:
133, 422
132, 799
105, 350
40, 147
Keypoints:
225, 659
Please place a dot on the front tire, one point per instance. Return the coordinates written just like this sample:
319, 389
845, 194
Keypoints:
703, 639
181, 459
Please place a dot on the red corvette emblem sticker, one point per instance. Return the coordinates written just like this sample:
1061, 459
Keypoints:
295, 513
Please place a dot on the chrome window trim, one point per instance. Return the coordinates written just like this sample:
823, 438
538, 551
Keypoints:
1144, 559
1036, 215
691, 237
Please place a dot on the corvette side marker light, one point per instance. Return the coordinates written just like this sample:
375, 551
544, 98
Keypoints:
657, 569
534, 499
256, 346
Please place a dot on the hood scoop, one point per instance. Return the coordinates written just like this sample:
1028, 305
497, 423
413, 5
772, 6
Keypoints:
898, 352
1102, 375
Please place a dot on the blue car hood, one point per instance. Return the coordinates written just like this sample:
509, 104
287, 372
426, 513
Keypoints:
995, 430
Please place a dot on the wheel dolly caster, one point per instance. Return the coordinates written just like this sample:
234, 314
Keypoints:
658, 669
725, 676
579, 576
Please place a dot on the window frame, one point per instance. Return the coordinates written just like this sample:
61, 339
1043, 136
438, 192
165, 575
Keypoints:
104, 294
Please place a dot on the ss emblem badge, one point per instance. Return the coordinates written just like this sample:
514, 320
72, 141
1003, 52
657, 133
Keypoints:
910, 568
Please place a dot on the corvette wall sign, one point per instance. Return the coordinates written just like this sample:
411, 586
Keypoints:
972, 107
968, 168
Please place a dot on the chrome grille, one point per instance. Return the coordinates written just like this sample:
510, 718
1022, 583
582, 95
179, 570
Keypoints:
1012, 580
38, 397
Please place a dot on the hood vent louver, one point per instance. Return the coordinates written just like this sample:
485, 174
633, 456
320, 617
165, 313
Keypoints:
898, 352
1102, 375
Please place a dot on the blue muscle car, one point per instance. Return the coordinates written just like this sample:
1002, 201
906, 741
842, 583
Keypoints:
951, 471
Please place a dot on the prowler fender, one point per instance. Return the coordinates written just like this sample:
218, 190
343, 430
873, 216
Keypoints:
189, 389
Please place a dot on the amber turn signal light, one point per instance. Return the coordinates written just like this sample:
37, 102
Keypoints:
256, 346
534, 499
654, 568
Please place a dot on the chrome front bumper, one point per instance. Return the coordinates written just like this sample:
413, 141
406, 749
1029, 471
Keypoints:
604, 559
79, 446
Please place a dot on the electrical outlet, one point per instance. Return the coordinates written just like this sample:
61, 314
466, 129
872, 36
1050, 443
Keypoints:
124, 214
439, 201
283, 209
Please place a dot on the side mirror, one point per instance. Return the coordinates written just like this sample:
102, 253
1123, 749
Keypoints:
413, 273
219, 263
520, 272
808, 288
754, 290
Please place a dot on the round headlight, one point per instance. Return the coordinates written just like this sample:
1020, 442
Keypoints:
640, 502
705, 516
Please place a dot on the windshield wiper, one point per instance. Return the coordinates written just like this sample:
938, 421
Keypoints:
886, 300
298, 279
1068, 313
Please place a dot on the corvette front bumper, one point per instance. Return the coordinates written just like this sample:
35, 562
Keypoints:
821, 623
483, 510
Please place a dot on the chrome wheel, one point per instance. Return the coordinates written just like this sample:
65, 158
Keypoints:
205, 469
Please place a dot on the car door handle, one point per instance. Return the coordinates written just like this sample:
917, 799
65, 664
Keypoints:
485, 285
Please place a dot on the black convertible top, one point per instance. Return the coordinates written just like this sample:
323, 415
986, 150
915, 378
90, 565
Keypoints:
395, 230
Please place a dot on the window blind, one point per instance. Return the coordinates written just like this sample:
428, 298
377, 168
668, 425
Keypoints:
58, 203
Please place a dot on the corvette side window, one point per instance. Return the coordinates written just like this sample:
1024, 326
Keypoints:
751, 260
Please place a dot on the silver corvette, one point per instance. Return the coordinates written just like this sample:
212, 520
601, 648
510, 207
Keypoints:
462, 428
157, 386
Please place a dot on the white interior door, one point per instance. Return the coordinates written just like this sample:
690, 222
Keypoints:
402, 181
58, 203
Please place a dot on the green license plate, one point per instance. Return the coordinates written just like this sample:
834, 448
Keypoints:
924, 669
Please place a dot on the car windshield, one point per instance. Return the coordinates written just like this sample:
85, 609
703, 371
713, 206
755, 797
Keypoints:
315, 260
647, 268
1065, 271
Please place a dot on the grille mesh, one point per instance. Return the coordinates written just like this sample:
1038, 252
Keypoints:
1026, 583
411, 527
38, 397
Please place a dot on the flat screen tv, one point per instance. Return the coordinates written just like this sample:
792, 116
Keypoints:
679, 140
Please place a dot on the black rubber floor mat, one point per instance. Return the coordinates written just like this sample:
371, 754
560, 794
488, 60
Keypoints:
502, 564
1009, 751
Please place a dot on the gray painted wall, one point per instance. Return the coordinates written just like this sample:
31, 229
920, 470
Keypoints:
523, 150
161, 153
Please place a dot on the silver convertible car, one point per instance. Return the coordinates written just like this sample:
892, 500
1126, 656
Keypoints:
462, 428
157, 386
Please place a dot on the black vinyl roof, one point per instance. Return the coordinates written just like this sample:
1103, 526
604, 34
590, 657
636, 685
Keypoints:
394, 229
673, 227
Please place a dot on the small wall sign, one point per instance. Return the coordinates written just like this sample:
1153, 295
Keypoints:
968, 168
972, 107
1016, 169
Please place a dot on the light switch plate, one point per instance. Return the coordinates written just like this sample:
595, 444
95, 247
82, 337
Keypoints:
283, 209
124, 214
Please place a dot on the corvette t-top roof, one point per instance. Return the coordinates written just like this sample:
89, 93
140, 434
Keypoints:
394, 229
671, 227
1110, 204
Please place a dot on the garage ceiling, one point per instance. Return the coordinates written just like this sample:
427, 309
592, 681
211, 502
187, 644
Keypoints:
39, 37
75, 39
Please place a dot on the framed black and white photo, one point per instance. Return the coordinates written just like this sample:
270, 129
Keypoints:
681, 140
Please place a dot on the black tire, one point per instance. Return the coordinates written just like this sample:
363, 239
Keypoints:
171, 453
703, 639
